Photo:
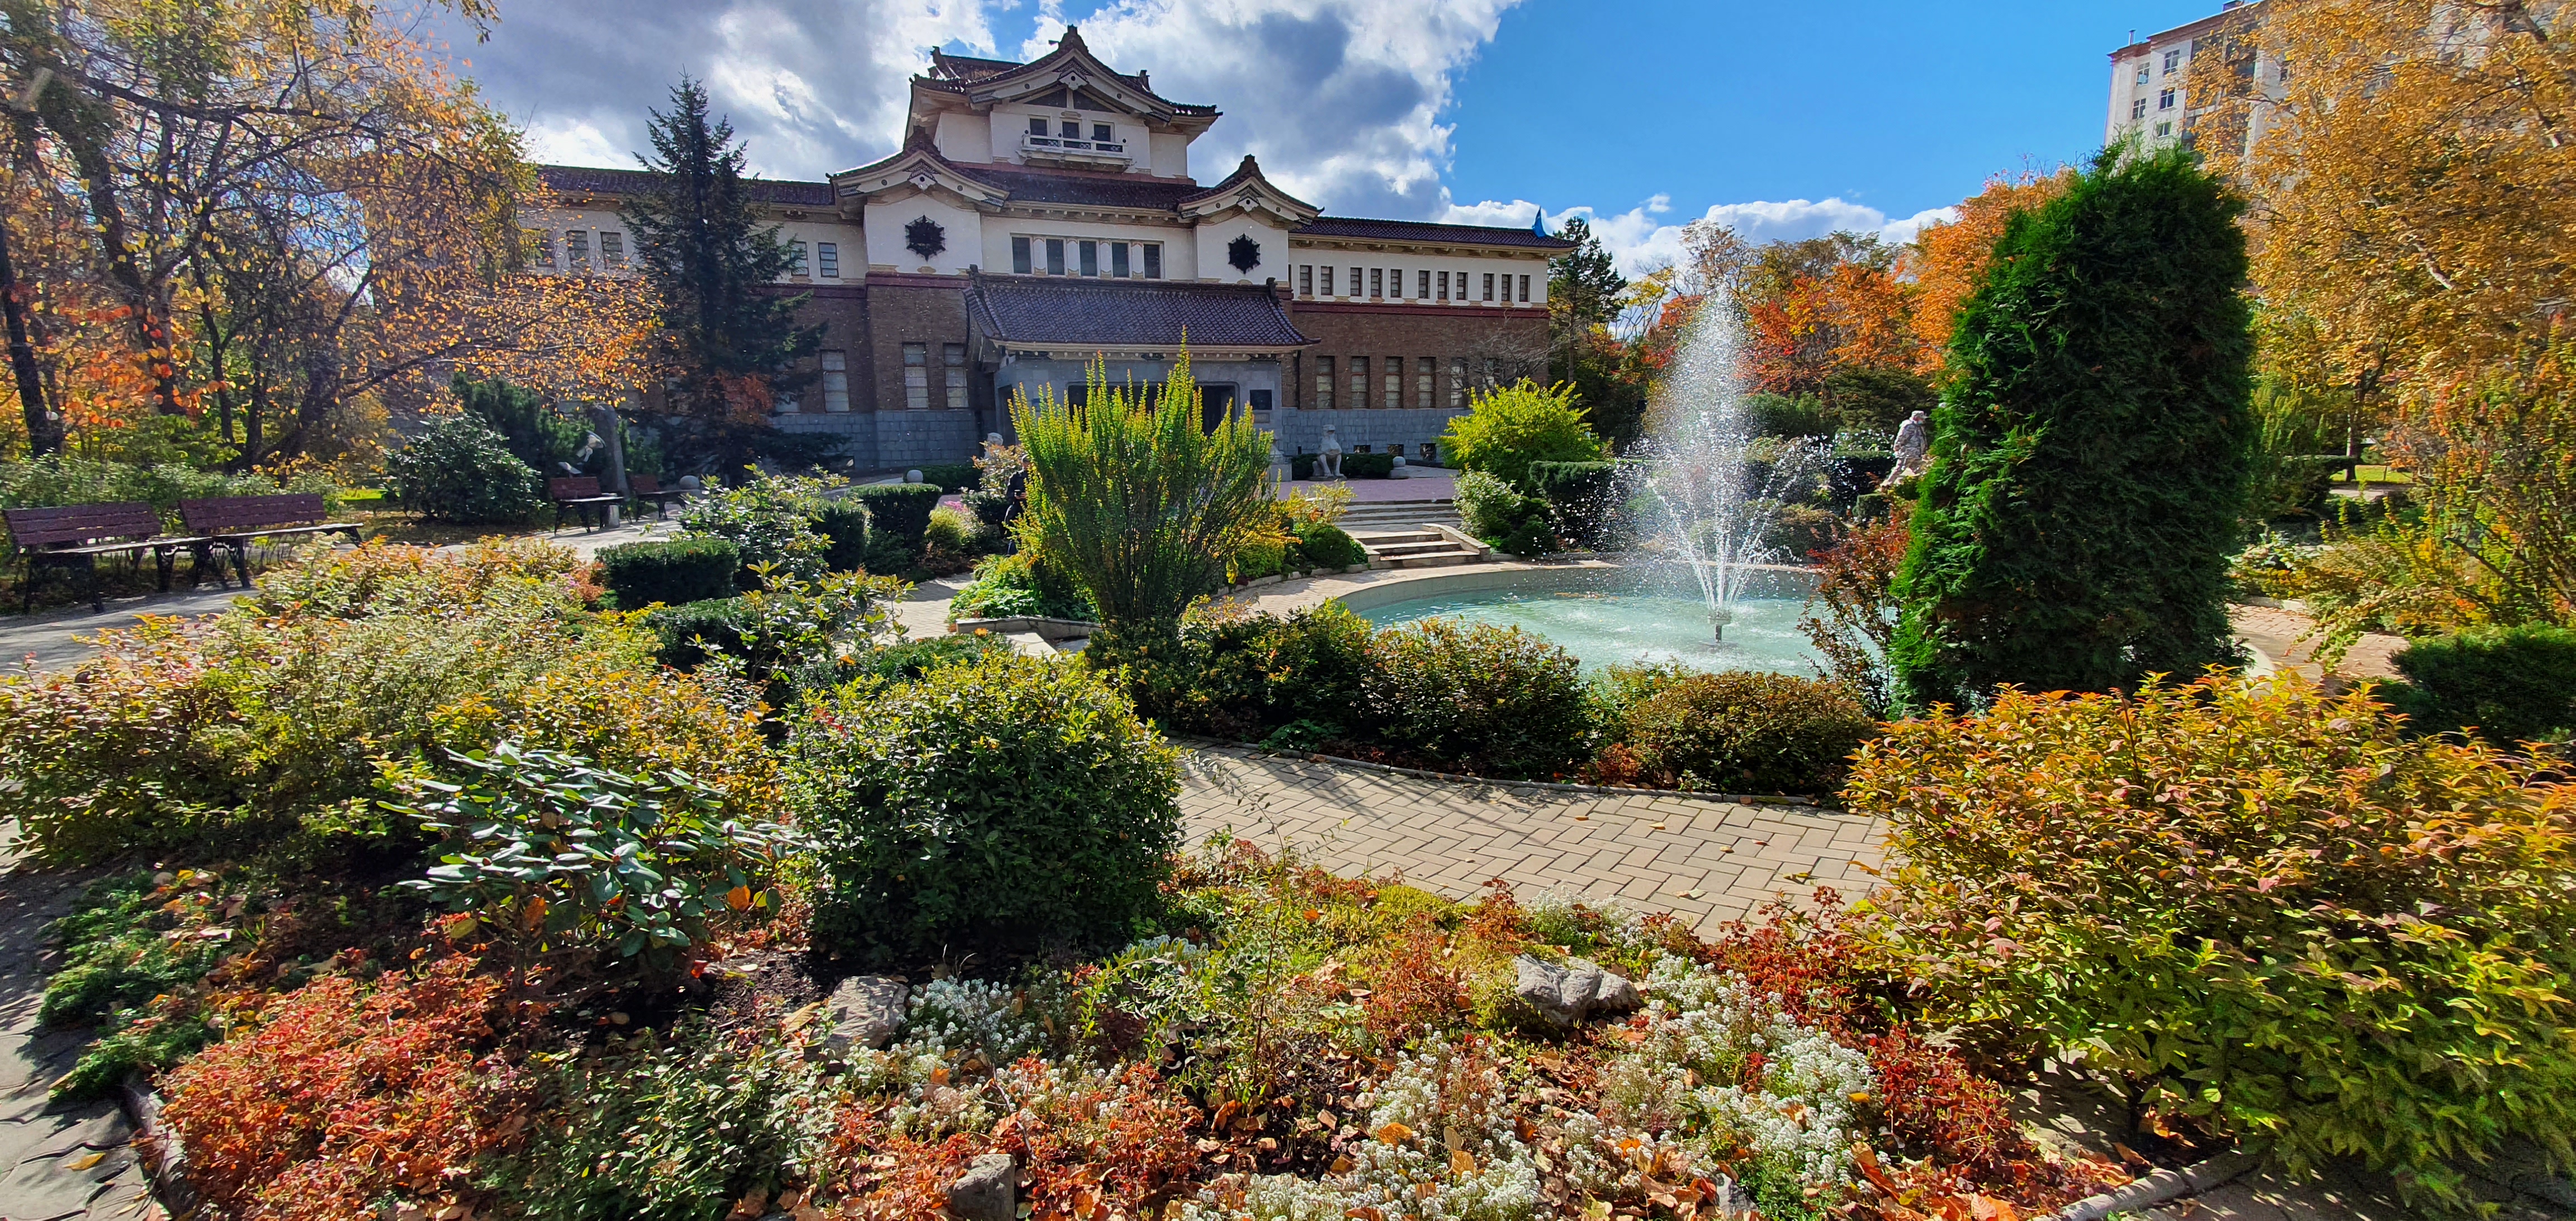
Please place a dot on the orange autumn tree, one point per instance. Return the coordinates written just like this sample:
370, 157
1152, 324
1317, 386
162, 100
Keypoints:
1948, 260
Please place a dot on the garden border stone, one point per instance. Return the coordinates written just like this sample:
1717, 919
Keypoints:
163, 1159
2160, 1187
1748, 799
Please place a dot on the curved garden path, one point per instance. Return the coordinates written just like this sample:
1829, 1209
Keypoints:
1705, 861
57, 1162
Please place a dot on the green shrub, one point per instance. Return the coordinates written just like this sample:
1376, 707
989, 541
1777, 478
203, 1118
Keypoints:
991, 807
1506, 430
459, 470
1745, 731
129, 939
2514, 684
691, 632
951, 476
1248, 678
1799, 531
1021, 584
1494, 512
844, 527
770, 519
793, 637
949, 531
1321, 544
1877, 398
1533, 537
2089, 458
1779, 415
675, 572
535, 432
1582, 499
913, 658
570, 858
2261, 907
1261, 557
1368, 466
900, 513
1497, 701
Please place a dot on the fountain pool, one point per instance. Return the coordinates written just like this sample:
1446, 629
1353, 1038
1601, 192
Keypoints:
1607, 617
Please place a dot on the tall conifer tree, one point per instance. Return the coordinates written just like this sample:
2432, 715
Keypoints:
712, 262
2090, 453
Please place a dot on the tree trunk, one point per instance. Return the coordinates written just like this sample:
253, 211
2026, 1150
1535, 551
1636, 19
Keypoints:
603, 420
44, 427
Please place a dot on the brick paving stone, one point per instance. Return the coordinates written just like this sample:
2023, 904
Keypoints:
1450, 836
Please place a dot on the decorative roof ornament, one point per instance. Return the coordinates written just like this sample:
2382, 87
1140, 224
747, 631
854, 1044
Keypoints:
923, 180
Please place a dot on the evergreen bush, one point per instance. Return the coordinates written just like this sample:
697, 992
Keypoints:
1321, 544
1745, 731
843, 524
536, 433
989, 808
692, 632
950, 476
1497, 701
1368, 466
1780, 415
673, 572
770, 519
2089, 459
1582, 498
459, 470
900, 511
2514, 684
1249, 678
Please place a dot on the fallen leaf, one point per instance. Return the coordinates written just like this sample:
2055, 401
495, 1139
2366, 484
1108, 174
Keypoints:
1225, 1114
1461, 1162
1988, 1208
1342, 1165
87, 1160
1867, 1160
1392, 1134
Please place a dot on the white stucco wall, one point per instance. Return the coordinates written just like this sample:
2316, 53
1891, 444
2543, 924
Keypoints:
1171, 156
965, 138
885, 221
1215, 235
1474, 267
1180, 249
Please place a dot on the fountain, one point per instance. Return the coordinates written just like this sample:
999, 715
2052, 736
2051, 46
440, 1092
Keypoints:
1713, 498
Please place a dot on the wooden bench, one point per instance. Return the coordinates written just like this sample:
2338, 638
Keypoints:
649, 487
231, 522
581, 494
74, 536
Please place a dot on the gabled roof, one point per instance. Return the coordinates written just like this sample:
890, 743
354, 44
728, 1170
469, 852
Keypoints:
1071, 64
1108, 189
587, 180
918, 164
1247, 186
1062, 312
1357, 229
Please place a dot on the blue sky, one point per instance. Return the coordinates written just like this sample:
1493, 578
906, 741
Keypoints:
1785, 120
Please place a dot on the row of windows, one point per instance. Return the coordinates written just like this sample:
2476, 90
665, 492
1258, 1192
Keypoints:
1361, 382
827, 259
1386, 282
576, 248
1065, 256
916, 379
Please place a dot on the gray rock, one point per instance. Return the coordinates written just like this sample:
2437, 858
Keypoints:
1732, 1200
866, 1011
985, 1192
1566, 995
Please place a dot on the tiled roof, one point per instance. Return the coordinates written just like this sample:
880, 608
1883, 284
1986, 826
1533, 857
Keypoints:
957, 73
1076, 313
585, 180
1105, 190
1425, 231
1250, 171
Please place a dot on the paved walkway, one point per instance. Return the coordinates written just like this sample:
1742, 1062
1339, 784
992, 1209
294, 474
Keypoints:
56, 1162
1707, 862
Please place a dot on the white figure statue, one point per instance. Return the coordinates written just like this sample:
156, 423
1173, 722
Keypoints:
1913, 448
1328, 461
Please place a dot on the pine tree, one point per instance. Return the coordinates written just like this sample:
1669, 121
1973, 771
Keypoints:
1583, 284
2090, 453
713, 262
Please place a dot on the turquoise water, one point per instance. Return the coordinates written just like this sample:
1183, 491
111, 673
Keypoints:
1609, 626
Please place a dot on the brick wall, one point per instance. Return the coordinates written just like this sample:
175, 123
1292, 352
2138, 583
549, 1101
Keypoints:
1511, 343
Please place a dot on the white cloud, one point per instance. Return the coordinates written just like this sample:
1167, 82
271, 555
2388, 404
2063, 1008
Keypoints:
561, 140
1641, 239
1341, 99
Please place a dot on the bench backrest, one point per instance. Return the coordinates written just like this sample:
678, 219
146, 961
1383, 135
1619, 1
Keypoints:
236, 514
78, 525
572, 487
643, 484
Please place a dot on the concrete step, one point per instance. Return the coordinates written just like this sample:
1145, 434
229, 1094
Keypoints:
1431, 559
1425, 547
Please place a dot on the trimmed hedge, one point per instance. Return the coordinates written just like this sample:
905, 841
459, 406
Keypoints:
679, 627
901, 510
951, 476
1354, 466
675, 572
1325, 545
844, 527
1745, 731
2513, 684
1497, 701
913, 658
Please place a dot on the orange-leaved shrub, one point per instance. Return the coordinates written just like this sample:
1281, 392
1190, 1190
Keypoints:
2264, 907
340, 1096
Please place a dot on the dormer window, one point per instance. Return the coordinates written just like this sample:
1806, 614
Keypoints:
1118, 260
1100, 131
1037, 127
1055, 256
1071, 130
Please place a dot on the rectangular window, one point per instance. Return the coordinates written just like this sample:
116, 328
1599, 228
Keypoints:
540, 246
1090, 252
1020, 264
954, 357
1118, 264
1422, 372
1359, 382
1324, 366
1306, 280
2142, 74
1457, 382
1259, 401
795, 255
2165, 100
1153, 261
1355, 281
2173, 62
1069, 129
1422, 286
1328, 279
1037, 126
612, 249
1524, 290
2137, 110
1100, 133
1489, 286
827, 259
1394, 383
1055, 256
836, 381
577, 248
916, 376
1444, 286
1395, 282
1377, 282
2163, 130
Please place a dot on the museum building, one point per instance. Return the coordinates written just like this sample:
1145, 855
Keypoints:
1042, 216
